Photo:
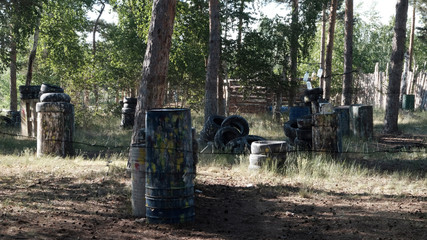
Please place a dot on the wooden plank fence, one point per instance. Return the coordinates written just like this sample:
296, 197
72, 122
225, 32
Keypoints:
371, 88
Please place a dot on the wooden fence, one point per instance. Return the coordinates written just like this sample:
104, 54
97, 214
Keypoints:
241, 99
371, 88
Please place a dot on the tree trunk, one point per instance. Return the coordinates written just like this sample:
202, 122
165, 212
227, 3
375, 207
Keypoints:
294, 52
347, 89
156, 61
95, 29
32, 55
213, 60
411, 38
322, 48
221, 102
240, 26
396, 59
13, 91
329, 50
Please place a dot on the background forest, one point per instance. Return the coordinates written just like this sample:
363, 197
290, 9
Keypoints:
98, 62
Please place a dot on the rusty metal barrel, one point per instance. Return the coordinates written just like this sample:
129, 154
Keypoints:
169, 166
137, 166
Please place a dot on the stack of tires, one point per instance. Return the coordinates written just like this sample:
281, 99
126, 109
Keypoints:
290, 127
303, 138
267, 152
128, 112
228, 134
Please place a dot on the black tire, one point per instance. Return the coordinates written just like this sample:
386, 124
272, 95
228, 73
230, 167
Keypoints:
129, 105
55, 97
225, 135
6, 121
304, 134
237, 145
237, 122
305, 122
48, 88
290, 129
130, 100
269, 147
211, 127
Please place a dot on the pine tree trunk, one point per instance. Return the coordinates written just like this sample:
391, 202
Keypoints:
323, 46
13, 91
153, 84
32, 56
294, 53
411, 38
329, 50
348, 54
213, 60
396, 59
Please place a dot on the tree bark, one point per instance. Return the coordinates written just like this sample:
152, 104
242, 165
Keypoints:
329, 50
213, 60
32, 55
153, 84
396, 59
221, 102
323, 46
411, 38
95, 29
240, 25
13, 91
348, 54
294, 52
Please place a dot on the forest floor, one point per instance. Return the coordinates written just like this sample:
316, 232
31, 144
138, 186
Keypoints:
90, 199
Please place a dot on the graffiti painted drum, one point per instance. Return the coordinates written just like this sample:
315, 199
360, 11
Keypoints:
169, 166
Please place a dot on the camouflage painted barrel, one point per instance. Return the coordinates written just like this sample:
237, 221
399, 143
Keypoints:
169, 166
55, 128
137, 158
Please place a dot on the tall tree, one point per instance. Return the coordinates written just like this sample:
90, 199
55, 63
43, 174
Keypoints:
347, 90
18, 20
322, 43
412, 35
154, 71
396, 59
329, 49
294, 46
213, 60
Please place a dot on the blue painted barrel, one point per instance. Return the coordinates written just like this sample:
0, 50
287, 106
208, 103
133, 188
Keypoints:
169, 187
297, 112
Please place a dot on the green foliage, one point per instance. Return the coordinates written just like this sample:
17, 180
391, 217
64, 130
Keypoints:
188, 53
263, 55
17, 19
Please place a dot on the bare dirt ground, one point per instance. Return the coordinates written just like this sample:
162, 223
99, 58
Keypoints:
54, 206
